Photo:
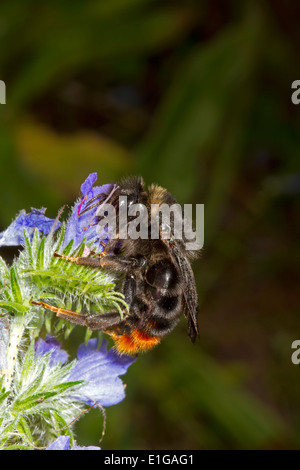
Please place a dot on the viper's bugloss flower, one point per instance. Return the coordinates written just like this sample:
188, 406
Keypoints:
79, 227
63, 443
36, 219
50, 344
84, 226
42, 391
99, 368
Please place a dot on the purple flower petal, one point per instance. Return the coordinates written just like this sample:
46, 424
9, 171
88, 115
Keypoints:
87, 186
79, 226
36, 219
50, 344
100, 369
83, 226
63, 443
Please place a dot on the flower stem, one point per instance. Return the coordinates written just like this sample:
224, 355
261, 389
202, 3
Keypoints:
17, 327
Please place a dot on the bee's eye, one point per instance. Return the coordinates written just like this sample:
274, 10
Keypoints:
162, 275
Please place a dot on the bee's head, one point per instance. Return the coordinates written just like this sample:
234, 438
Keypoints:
133, 189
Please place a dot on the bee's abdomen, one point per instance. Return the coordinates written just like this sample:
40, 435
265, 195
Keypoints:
162, 275
134, 342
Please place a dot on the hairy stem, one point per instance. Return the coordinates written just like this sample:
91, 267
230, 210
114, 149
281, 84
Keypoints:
17, 327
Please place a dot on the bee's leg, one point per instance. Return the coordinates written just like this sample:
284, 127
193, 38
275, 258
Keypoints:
85, 261
120, 263
93, 322
129, 289
110, 262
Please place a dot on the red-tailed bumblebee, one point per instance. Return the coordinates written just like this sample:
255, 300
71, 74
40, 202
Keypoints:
157, 278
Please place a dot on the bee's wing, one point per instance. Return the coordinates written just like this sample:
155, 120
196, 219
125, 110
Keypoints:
189, 286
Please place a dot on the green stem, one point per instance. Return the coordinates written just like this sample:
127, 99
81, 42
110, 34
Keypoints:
17, 327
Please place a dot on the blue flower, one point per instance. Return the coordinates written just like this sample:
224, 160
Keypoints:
51, 345
36, 219
80, 226
99, 368
63, 443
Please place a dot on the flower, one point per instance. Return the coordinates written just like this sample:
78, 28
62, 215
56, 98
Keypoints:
51, 345
79, 226
84, 226
63, 443
39, 381
99, 368
36, 219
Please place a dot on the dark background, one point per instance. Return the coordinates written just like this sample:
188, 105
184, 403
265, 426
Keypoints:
195, 96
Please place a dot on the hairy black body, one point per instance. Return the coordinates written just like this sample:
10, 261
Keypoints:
158, 282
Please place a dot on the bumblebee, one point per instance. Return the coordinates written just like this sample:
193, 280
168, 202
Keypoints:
157, 278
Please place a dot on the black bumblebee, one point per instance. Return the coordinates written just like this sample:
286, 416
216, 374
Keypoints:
158, 282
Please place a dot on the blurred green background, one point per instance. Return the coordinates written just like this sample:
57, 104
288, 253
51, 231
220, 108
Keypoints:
196, 96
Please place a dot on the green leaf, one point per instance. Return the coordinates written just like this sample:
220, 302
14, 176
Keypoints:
8, 429
58, 375
68, 248
51, 295
4, 269
68, 328
35, 384
18, 447
61, 237
15, 285
14, 306
79, 250
28, 249
37, 272
27, 363
23, 428
35, 245
3, 395
32, 401
115, 304
87, 336
60, 425
48, 322
65, 386
40, 258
